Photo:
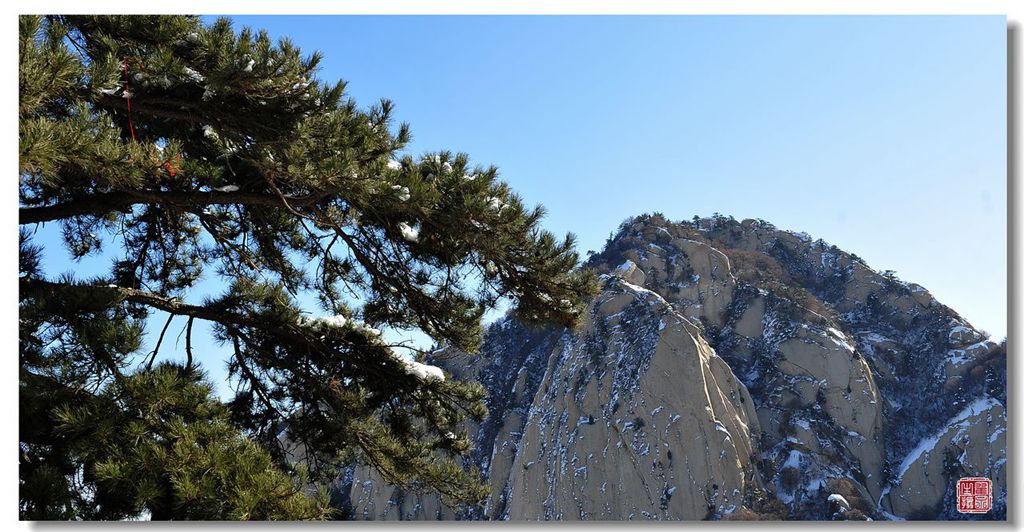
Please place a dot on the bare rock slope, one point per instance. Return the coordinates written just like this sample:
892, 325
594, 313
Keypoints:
729, 370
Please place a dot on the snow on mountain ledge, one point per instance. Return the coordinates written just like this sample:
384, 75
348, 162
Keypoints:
927, 445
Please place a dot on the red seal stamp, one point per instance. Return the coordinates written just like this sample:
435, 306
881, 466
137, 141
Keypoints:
974, 495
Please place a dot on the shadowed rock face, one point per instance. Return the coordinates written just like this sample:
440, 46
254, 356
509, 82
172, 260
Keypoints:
729, 370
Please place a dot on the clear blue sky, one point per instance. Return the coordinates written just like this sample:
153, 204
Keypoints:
883, 135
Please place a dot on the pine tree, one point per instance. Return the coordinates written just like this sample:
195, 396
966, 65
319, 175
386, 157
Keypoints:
183, 147
157, 441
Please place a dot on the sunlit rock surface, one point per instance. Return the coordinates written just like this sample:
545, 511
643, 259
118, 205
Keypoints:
729, 370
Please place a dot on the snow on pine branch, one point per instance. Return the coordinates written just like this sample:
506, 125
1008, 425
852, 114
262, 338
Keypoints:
410, 233
424, 372
402, 192
334, 321
496, 204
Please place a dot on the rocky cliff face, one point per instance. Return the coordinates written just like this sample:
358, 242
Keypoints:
730, 370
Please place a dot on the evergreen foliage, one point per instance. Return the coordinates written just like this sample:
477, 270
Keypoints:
156, 441
183, 149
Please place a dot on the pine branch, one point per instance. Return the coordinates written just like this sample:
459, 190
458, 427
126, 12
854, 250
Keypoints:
171, 305
188, 342
103, 203
160, 340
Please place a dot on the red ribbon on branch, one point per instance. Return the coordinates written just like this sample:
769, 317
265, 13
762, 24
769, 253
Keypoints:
131, 125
